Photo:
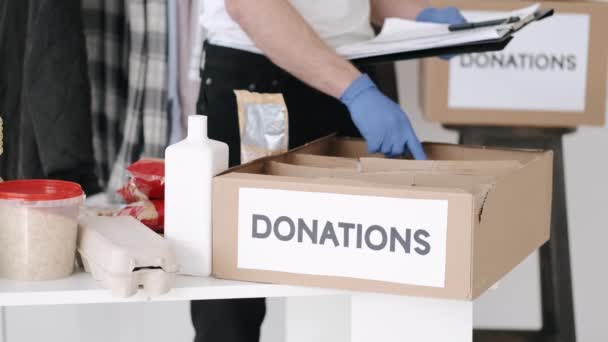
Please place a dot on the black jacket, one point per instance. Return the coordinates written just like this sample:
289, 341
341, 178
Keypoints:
45, 92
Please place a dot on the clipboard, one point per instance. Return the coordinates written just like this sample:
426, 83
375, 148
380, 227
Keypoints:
474, 47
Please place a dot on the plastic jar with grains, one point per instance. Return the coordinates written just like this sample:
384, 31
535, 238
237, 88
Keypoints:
38, 229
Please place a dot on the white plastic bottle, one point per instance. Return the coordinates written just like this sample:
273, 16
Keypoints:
189, 169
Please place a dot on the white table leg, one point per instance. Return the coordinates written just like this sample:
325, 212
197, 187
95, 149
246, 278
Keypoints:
3, 337
318, 319
372, 317
397, 319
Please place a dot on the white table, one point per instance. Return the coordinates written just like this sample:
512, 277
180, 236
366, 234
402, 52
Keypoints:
310, 314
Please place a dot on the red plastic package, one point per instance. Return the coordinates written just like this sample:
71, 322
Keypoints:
131, 193
147, 181
150, 213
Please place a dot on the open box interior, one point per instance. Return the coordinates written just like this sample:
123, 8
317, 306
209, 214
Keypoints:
343, 160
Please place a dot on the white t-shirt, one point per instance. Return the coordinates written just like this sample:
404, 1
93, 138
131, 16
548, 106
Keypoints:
337, 22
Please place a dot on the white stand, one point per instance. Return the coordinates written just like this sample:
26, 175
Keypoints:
371, 317
2, 324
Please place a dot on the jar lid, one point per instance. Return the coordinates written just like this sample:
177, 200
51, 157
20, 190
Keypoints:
39, 190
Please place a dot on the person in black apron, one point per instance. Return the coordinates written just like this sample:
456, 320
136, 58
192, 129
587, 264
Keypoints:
288, 47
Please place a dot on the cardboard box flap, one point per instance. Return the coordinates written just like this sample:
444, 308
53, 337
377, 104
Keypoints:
322, 146
357, 148
436, 151
472, 169
352, 148
323, 161
417, 181
333, 146
481, 168
419, 178
478, 186
504, 239
291, 170
254, 166
257, 167
373, 182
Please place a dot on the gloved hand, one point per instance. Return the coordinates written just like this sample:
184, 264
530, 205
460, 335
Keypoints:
449, 15
381, 121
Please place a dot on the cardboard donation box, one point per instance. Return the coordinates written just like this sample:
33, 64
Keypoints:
330, 215
553, 74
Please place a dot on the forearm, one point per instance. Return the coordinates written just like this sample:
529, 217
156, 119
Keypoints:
406, 9
286, 38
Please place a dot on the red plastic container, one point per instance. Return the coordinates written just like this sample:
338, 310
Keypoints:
38, 228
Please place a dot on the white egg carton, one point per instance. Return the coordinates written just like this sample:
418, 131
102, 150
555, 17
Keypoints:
123, 255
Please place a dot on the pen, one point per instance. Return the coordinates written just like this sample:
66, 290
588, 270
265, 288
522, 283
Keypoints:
473, 25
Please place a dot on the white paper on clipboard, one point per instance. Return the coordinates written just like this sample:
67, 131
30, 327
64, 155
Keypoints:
400, 35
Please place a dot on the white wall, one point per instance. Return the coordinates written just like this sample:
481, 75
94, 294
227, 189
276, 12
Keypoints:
516, 303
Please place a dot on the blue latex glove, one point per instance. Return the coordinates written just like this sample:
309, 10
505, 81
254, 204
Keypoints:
381, 121
449, 15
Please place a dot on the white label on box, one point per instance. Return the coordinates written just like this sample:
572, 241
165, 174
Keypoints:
396, 240
544, 68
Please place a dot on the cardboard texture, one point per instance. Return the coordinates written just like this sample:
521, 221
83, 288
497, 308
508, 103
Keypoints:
498, 212
546, 105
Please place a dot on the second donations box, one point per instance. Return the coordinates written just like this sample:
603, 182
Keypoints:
330, 215
553, 74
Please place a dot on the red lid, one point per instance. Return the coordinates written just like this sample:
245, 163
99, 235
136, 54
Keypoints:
39, 190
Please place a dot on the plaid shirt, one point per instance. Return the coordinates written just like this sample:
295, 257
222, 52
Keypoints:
105, 25
146, 126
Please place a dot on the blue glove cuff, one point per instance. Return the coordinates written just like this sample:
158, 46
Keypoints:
359, 85
426, 14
